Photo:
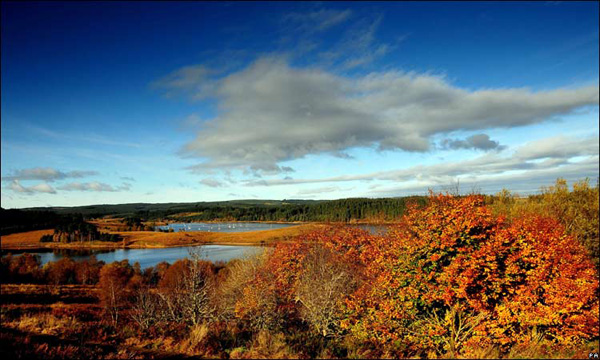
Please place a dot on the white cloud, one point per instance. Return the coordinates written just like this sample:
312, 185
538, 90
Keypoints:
16, 186
270, 112
321, 190
94, 186
549, 157
46, 174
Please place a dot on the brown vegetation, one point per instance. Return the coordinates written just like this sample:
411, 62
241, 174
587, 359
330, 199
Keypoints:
152, 239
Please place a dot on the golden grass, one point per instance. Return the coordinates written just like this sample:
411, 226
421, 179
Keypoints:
24, 239
146, 239
153, 239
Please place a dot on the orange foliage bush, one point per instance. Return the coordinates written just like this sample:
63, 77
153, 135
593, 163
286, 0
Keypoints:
453, 262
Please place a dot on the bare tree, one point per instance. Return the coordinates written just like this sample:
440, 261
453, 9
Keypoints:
238, 274
187, 290
322, 287
146, 309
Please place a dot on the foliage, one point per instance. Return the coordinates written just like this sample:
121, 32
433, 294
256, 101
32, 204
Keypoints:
577, 210
115, 288
455, 258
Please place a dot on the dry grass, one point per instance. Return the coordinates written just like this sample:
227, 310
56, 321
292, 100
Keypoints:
109, 224
153, 239
146, 239
24, 239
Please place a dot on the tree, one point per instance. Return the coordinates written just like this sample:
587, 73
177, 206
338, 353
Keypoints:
323, 285
114, 291
186, 289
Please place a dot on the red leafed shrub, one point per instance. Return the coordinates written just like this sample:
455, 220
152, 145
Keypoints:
453, 275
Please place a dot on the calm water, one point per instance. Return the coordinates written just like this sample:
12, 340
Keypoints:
151, 257
223, 227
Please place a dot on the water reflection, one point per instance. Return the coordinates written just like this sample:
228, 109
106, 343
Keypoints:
151, 257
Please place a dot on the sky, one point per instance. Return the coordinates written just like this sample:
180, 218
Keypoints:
123, 102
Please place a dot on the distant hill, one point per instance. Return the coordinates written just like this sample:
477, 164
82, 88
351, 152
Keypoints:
342, 210
132, 208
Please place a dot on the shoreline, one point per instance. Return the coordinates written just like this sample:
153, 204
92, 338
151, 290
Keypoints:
29, 241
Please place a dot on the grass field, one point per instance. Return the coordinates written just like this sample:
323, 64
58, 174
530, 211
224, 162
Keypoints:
152, 239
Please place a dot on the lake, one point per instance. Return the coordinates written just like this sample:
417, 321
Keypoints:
151, 257
223, 226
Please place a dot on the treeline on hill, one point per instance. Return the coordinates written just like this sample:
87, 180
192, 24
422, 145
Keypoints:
13, 220
343, 210
453, 278
73, 228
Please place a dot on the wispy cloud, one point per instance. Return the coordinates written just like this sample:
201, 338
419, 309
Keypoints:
46, 174
91, 138
322, 190
212, 182
16, 186
317, 20
358, 46
94, 186
547, 156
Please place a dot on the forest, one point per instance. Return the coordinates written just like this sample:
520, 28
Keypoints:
343, 210
74, 228
471, 276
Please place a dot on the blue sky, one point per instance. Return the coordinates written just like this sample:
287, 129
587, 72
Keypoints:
119, 102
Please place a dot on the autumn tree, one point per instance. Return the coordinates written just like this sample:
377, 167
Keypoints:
114, 289
63, 271
88, 271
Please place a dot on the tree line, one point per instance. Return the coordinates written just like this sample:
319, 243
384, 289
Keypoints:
75, 229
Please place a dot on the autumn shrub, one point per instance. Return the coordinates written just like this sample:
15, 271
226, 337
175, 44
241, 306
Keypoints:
23, 268
260, 306
152, 275
577, 210
88, 271
62, 271
268, 345
323, 284
453, 276
232, 280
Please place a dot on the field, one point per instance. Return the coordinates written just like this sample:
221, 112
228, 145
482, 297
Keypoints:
152, 239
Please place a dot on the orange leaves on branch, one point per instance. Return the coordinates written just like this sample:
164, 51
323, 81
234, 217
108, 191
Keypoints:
454, 254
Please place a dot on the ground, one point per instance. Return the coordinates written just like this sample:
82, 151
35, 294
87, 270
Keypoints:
150, 239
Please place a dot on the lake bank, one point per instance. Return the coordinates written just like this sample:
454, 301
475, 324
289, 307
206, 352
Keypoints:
150, 256
30, 241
